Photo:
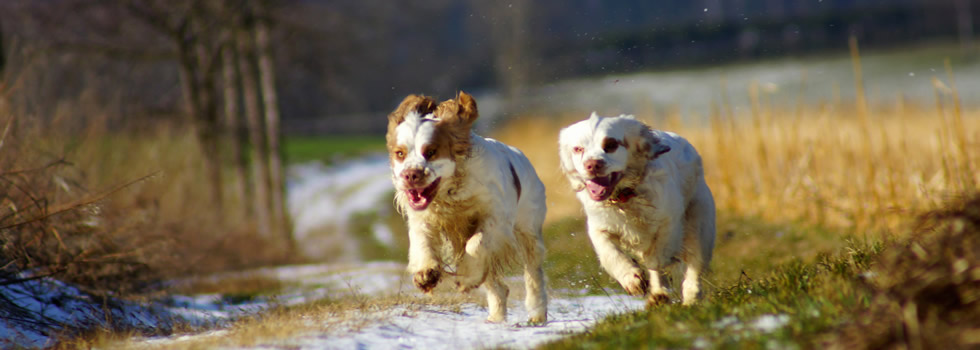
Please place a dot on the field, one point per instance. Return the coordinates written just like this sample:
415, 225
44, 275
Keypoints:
807, 199
842, 223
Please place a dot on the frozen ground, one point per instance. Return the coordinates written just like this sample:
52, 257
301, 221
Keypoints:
417, 326
33, 313
402, 326
432, 327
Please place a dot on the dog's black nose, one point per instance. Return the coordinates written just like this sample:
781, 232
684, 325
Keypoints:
594, 166
412, 176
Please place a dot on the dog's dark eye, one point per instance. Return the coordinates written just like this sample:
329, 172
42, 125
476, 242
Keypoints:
577, 150
610, 145
429, 153
400, 155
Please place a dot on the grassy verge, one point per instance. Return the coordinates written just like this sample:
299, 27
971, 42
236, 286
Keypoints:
789, 304
746, 246
803, 276
919, 293
302, 149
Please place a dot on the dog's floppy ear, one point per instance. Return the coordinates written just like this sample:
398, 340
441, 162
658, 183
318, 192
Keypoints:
412, 103
651, 145
567, 168
467, 108
461, 110
456, 118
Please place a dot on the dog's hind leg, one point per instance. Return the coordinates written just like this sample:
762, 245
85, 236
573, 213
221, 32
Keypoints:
497, 293
692, 282
536, 295
657, 294
699, 241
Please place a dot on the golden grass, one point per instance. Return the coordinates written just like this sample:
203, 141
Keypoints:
828, 165
116, 210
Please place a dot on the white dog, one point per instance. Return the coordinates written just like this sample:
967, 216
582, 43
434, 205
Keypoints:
644, 195
469, 200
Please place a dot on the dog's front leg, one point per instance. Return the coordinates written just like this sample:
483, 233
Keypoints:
423, 260
618, 264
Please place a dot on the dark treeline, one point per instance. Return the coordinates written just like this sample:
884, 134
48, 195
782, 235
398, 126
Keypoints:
341, 65
204, 66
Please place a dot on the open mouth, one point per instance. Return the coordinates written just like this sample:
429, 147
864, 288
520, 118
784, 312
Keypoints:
601, 187
420, 198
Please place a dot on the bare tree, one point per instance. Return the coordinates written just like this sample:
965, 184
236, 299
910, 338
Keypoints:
187, 25
235, 133
253, 116
271, 104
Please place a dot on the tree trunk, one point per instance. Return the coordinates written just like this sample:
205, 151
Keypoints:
235, 135
208, 132
271, 104
195, 100
253, 116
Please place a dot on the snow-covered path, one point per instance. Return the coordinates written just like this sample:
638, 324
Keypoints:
411, 325
433, 327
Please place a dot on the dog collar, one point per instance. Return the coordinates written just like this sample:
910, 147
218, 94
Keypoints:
623, 195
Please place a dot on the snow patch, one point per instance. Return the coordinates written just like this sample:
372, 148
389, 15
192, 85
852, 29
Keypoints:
322, 200
433, 327
34, 312
770, 323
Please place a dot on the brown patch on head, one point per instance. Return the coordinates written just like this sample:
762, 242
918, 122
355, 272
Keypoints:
456, 118
610, 145
440, 147
412, 103
650, 145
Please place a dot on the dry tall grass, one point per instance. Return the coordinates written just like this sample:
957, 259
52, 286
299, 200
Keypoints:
112, 210
836, 165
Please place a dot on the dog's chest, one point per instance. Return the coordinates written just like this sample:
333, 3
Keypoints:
637, 222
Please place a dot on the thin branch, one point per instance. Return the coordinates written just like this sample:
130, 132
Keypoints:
5, 129
43, 167
83, 202
37, 202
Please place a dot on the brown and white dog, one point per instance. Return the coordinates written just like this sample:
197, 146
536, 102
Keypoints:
644, 195
469, 200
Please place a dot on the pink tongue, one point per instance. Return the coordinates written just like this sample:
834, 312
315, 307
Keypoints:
415, 194
595, 189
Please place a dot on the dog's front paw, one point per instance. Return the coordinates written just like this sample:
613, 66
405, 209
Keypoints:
427, 279
655, 300
636, 283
